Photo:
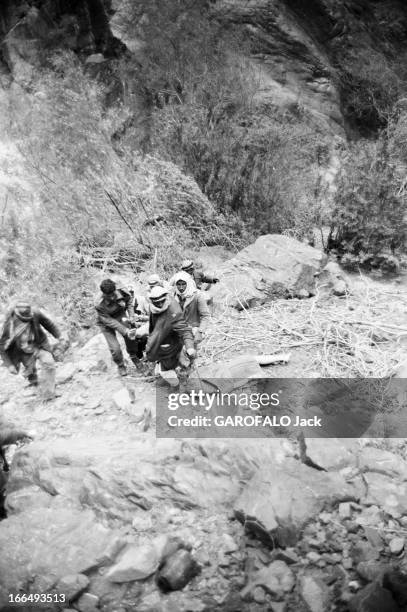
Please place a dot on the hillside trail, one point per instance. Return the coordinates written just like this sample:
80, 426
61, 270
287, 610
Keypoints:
94, 450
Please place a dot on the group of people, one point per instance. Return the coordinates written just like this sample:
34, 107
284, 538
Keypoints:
164, 327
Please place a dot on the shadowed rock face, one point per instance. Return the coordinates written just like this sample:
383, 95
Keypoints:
302, 51
27, 28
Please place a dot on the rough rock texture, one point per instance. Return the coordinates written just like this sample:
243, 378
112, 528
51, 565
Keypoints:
82, 26
302, 51
332, 280
67, 541
272, 267
279, 501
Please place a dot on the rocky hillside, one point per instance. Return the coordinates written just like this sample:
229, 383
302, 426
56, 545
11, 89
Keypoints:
314, 56
103, 512
314, 74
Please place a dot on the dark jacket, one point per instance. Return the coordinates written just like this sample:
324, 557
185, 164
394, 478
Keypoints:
40, 322
196, 311
168, 327
111, 315
200, 278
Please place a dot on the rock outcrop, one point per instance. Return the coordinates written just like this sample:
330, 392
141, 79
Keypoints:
275, 266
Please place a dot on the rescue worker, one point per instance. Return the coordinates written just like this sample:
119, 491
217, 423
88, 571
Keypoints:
24, 341
155, 281
141, 302
199, 277
193, 304
113, 316
170, 342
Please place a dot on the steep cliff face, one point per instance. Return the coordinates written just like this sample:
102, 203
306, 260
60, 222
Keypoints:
314, 54
318, 53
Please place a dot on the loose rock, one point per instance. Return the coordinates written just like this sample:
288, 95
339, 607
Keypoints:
396, 545
134, 563
72, 586
177, 570
315, 593
372, 599
87, 603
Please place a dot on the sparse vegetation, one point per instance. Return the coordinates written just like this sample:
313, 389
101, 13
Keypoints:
369, 223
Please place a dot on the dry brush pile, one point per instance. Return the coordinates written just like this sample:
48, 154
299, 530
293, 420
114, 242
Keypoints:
360, 335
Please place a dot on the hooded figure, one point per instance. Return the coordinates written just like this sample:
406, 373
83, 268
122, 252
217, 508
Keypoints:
169, 333
192, 302
23, 341
201, 279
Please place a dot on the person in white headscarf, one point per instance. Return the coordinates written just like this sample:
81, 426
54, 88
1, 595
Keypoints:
193, 304
170, 342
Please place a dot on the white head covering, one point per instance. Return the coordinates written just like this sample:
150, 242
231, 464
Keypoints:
187, 278
157, 293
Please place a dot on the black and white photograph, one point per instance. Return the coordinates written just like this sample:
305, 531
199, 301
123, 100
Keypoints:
203, 305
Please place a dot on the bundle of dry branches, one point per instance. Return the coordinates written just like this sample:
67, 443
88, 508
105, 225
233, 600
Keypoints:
359, 335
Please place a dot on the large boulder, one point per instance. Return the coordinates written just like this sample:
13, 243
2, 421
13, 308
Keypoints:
42, 546
274, 266
116, 478
279, 501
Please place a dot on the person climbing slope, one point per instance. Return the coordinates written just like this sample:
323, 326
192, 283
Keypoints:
193, 304
113, 316
24, 341
170, 342
199, 276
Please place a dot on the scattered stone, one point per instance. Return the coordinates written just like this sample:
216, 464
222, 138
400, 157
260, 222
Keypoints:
275, 505
386, 492
277, 579
278, 606
315, 593
122, 400
332, 280
345, 510
94, 355
134, 563
354, 585
325, 517
373, 537
332, 558
259, 595
165, 546
396, 582
151, 601
142, 522
369, 516
364, 551
347, 563
373, 598
288, 555
88, 603
95, 58
177, 570
370, 570
65, 373
396, 545
72, 585
228, 544
313, 556
378, 460
333, 456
